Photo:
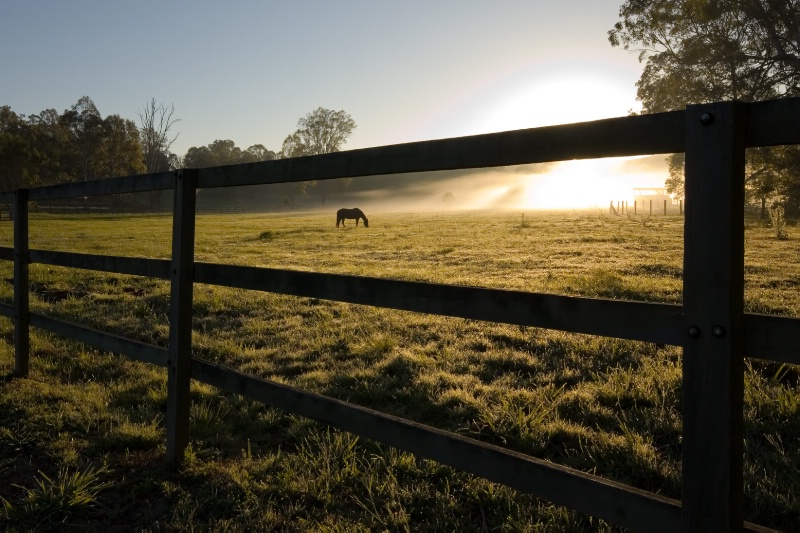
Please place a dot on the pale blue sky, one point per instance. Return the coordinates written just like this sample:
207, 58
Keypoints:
247, 70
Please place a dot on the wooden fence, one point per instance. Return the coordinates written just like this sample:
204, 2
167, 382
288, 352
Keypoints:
711, 326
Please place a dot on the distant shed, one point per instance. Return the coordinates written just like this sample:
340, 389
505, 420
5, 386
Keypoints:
654, 198
644, 195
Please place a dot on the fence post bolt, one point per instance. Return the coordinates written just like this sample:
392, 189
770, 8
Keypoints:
706, 118
718, 331
694, 332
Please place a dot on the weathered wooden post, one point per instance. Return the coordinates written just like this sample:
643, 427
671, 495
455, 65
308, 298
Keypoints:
651, 207
713, 294
665, 208
179, 365
22, 341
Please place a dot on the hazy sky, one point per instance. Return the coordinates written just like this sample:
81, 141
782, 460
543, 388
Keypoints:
248, 70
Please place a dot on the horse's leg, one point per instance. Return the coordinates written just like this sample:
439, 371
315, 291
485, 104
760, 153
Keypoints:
356, 221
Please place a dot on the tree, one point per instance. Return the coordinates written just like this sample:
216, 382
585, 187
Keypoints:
699, 51
76, 145
85, 125
322, 131
156, 124
709, 50
121, 152
50, 138
220, 152
17, 159
225, 152
257, 152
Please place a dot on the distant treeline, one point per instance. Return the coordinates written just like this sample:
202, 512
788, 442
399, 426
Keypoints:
80, 144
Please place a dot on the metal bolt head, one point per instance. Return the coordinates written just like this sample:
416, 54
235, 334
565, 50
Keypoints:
706, 118
694, 332
718, 331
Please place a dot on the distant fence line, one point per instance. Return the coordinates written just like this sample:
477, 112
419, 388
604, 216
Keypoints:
645, 207
711, 325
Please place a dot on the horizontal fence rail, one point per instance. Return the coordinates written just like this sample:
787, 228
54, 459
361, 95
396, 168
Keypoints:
141, 351
618, 503
126, 184
630, 320
713, 136
152, 268
767, 337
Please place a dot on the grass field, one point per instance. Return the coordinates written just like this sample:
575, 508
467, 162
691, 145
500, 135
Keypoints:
82, 438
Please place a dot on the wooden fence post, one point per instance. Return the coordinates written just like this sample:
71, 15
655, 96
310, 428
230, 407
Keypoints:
713, 294
179, 365
22, 341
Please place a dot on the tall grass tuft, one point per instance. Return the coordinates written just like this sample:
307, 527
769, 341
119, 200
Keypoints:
778, 219
57, 500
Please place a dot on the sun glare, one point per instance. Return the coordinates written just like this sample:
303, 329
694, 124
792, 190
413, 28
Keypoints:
578, 184
537, 95
551, 101
563, 94
560, 91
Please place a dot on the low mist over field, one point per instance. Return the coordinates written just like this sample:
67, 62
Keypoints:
565, 185
559, 185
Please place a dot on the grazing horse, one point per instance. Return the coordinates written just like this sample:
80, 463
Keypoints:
354, 213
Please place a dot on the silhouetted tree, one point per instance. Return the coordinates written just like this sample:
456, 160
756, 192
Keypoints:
712, 50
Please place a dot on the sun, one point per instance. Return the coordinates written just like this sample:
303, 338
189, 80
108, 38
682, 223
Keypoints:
578, 184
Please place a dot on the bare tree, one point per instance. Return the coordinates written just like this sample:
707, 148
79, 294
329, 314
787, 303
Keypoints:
156, 120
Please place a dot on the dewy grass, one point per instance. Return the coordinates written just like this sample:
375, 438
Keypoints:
605, 406
56, 500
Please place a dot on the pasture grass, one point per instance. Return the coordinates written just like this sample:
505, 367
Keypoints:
82, 438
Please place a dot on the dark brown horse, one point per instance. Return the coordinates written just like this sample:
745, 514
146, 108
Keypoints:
354, 213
